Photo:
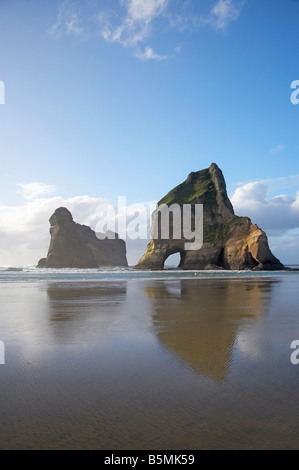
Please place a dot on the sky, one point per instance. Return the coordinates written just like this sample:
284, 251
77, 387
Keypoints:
108, 98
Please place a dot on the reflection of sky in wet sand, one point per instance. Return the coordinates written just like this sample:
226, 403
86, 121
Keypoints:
199, 321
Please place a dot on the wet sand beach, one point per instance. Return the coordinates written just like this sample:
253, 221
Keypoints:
150, 364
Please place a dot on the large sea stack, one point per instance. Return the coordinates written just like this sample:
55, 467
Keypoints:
229, 242
76, 246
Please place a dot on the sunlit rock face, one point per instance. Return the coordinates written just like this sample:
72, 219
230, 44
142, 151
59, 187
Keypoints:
229, 242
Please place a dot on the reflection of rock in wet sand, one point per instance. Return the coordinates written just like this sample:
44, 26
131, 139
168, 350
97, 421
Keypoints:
83, 311
199, 320
90, 292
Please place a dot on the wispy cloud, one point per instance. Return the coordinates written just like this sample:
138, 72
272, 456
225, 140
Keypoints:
135, 26
145, 10
285, 182
224, 12
72, 25
35, 190
278, 149
126, 32
68, 21
133, 23
150, 54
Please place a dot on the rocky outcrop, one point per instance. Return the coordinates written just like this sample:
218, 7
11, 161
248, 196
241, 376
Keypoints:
76, 246
229, 241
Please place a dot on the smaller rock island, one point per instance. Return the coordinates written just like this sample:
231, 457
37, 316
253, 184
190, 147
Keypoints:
76, 246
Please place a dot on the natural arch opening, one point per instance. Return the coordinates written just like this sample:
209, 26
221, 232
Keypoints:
251, 261
174, 260
220, 260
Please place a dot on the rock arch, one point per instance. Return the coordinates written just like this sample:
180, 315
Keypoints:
229, 241
173, 251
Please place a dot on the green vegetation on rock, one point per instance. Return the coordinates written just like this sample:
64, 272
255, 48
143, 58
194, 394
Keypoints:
215, 234
199, 186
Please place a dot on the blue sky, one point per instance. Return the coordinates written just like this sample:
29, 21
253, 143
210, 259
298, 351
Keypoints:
126, 97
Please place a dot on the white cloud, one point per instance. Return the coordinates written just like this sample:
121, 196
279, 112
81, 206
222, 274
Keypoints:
34, 190
223, 13
145, 10
286, 246
150, 54
277, 215
135, 26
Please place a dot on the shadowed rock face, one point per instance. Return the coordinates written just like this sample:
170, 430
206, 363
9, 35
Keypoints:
76, 246
229, 242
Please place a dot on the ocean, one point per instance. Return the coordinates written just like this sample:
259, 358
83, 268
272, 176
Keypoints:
120, 359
